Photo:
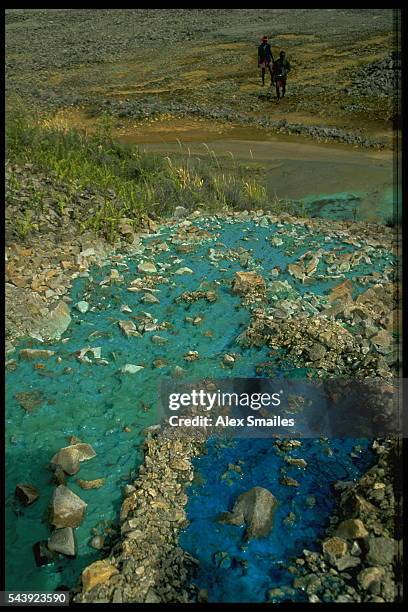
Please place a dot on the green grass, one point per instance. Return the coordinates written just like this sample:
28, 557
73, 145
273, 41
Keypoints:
126, 183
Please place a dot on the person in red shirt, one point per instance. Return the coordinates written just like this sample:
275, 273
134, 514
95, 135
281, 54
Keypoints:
265, 58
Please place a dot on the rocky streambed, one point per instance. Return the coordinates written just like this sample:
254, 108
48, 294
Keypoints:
245, 294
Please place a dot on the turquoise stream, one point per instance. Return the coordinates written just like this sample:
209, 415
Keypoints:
110, 410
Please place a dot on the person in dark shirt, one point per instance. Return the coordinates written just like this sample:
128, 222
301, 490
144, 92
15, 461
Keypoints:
265, 58
281, 68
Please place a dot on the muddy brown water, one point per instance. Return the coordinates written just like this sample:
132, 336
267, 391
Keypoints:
295, 169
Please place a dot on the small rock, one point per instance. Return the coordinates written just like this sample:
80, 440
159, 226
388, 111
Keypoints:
147, 267
30, 354
130, 368
182, 271
97, 483
191, 356
300, 463
178, 372
82, 306
26, 493
149, 298
97, 542
128, 328
256, 509
288, 481
228, 360
248, 282
159, 340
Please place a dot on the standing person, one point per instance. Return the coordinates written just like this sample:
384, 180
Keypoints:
281, 68
265, 58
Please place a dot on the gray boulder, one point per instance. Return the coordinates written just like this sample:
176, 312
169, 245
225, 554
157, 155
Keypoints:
381, 551
63, 541
254, 508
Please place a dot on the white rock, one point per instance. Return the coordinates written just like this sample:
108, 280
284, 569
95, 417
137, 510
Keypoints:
181, 271
130, 368
82, 306
146, 267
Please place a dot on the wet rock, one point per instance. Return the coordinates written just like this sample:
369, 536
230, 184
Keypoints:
43, 555
67, 509
63, 541
68, 459
254, 508
26, 493
352, 529
288, 481
159, 340
30, 354
97, 573
97, 542
191, 356
82, 306
182, 271
178, 372
146, 267
149, 298
380, 551
248, 282
85, 450
29, 400
130, 368
97, 483
222, 559
96, 353
300, 463
228, 360
128, 328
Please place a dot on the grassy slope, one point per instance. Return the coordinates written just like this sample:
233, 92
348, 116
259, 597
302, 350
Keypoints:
125, 183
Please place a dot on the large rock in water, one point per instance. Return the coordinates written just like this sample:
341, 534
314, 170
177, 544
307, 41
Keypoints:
71, 456
248, 282
67, 509
256, 509
63, 541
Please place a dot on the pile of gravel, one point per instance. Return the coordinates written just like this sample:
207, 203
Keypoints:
380, 78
